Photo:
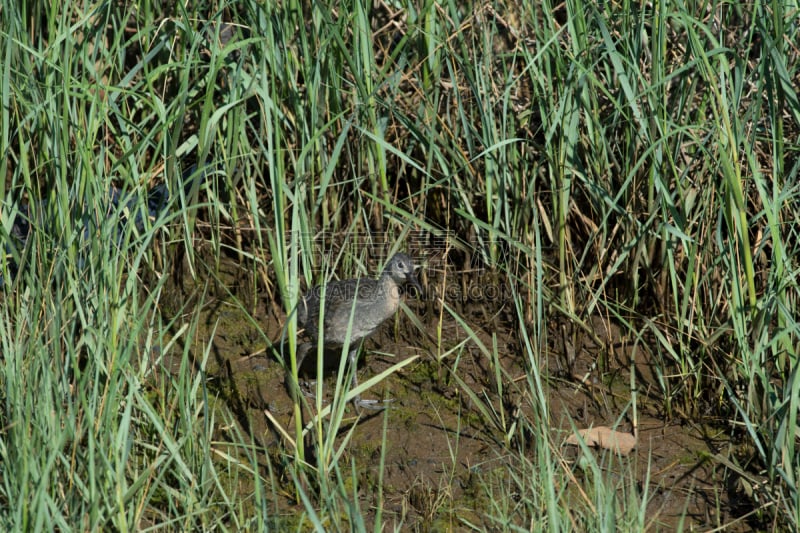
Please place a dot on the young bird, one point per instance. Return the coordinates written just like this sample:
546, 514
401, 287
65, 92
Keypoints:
368, 301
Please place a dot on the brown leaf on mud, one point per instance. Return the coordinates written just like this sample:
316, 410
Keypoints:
605, 437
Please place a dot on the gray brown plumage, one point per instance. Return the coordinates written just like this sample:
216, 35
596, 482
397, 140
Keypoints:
368, 301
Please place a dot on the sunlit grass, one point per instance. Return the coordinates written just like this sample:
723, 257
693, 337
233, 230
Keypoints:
634, 162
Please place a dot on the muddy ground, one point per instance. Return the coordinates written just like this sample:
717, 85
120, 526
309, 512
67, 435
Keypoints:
433, 424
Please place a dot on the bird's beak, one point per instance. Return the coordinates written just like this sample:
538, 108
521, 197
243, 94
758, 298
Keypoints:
412, 279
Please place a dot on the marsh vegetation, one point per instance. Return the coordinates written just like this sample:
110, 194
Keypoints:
603, 198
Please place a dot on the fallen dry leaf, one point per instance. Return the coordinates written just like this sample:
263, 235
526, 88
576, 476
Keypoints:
605, 437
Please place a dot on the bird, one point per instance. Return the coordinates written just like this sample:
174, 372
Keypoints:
368, 301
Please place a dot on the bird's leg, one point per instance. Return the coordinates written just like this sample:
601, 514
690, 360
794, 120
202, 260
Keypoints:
375, 405
292, 385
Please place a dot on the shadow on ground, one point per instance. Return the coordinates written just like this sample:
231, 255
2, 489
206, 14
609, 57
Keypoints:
440, 450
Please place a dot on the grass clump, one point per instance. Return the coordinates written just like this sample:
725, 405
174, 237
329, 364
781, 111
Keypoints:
557, 167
